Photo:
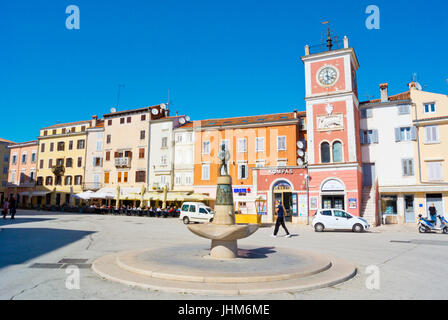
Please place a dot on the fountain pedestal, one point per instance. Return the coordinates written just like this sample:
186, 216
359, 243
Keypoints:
223, 231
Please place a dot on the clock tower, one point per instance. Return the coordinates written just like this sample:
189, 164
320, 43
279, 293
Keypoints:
334, 151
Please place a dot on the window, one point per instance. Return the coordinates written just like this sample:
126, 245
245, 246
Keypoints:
42, 147
70, 145
108, 138
205, 172
59, 162
79, 162
63, 130
142, 134
54, 131
49, 181
243, 171
140, 176
6, 158
13, 176
369, 136
73, 129
106, 177
97, 162
128, 120
188, 179
33, 157
242, 145
141, 153
50, 163
41, 164
163, 159
164, 142
435, 170
143, 117
109, 122
404, 109
119, 177
226, 144
78, 180
281, 163
430, 107
163, 180
281, 143
99, 145
68, 181
206, 147
337, 151
51, 147
431, 134
389, 204
14, 159
80, 144
121, 120
32, 176
189, 137
179, 137
259, 144
326, 213
69, 163
178, 179
107, 155
24, 157
405, 134
407, 166
83, 128
22, 177
260, 163
45, 133
40, 181
325, 152
366, 113
61, 146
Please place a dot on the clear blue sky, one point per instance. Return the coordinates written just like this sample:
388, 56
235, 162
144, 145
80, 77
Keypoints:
219, 58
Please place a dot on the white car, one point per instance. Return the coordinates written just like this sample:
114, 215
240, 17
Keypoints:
338, 220
195, 212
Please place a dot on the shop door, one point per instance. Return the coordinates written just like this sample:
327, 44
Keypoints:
438, 203
287, 203
409, 213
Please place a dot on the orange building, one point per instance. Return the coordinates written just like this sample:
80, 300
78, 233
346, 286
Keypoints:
266, 141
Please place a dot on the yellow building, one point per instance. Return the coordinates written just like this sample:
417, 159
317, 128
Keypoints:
4, 165
61, 163
430, 116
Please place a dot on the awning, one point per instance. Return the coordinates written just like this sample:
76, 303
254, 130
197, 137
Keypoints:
40, 193
84, 195
104, 193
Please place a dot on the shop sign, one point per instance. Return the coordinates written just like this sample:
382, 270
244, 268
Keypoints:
303, 205
282, 186
281, 171
241, 190
313, 203
352, 203
333, 185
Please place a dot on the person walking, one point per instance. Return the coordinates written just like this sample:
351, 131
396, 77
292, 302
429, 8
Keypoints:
5, 208
433, 213
12, 207
280, 211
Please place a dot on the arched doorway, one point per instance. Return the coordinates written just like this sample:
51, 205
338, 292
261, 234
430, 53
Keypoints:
333, 194
282, 191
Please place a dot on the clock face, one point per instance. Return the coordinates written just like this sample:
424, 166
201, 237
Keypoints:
327, 76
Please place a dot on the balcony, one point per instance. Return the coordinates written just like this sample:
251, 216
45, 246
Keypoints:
123, 162
94, 186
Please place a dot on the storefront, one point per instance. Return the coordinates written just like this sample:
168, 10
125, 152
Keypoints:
284, 184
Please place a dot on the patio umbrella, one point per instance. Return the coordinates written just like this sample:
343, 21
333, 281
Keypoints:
142, 193
165, 191
118, 197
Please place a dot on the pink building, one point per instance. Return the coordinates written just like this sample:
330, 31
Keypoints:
22, 171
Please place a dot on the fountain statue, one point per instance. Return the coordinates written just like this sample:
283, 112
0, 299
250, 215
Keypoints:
223, 231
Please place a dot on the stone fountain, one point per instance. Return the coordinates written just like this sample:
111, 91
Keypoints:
223, 231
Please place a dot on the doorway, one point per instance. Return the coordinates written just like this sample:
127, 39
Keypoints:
438, 203
286, 200
333, 202
409, 213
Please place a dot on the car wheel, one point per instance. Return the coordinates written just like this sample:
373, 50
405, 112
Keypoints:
422, 229
211, 220
358, 228
445, 230
319, 227
186, 220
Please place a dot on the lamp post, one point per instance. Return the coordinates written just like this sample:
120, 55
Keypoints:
307, 178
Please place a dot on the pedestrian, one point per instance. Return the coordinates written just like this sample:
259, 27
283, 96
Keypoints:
5, 208
280, 211
433, 213
12, 207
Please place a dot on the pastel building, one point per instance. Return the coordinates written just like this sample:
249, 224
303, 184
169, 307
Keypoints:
22, 171
430, 116
61, 163
94, 175
388, 139
4, 167
184, 158
334, 146
254, 142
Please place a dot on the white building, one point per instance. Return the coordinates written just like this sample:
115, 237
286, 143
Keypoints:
387, 138
184, 158
93, 177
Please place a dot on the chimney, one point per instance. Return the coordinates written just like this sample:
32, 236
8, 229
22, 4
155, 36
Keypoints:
94, 120
295, 113
307, 50
384, 95
345, 42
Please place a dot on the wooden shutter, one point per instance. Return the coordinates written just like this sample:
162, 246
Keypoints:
107, 155
397, 135
413, 133
106, 177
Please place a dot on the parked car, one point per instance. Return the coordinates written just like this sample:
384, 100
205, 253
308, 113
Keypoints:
195, 212
338, 219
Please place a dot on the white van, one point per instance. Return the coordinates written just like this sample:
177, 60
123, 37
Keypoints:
337, 219
195, 212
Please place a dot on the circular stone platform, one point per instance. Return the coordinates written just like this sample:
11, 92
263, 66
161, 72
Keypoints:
190, 269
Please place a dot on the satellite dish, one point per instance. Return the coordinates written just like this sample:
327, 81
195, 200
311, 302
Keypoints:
182, 120
113, 110
300, 153
418, 86
155, 112
187, 118
299, 162
300, 144
163, 106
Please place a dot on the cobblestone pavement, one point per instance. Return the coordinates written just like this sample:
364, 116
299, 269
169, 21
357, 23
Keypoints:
35, 244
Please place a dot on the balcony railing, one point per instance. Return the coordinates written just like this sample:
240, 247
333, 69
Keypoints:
123, 162
94, 186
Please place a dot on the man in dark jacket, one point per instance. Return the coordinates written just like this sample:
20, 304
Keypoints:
280, 211
433, 213
12, 207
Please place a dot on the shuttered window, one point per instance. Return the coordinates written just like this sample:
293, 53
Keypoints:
431, 134
407, 166
106, 177
435, 171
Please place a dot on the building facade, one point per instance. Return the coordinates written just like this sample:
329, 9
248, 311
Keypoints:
184, 158
94, 174
61, 163
22, 172
4, 167
334, 149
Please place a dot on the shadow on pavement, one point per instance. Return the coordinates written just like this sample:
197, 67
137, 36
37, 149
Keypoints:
257, 253
8, 221
19, 245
